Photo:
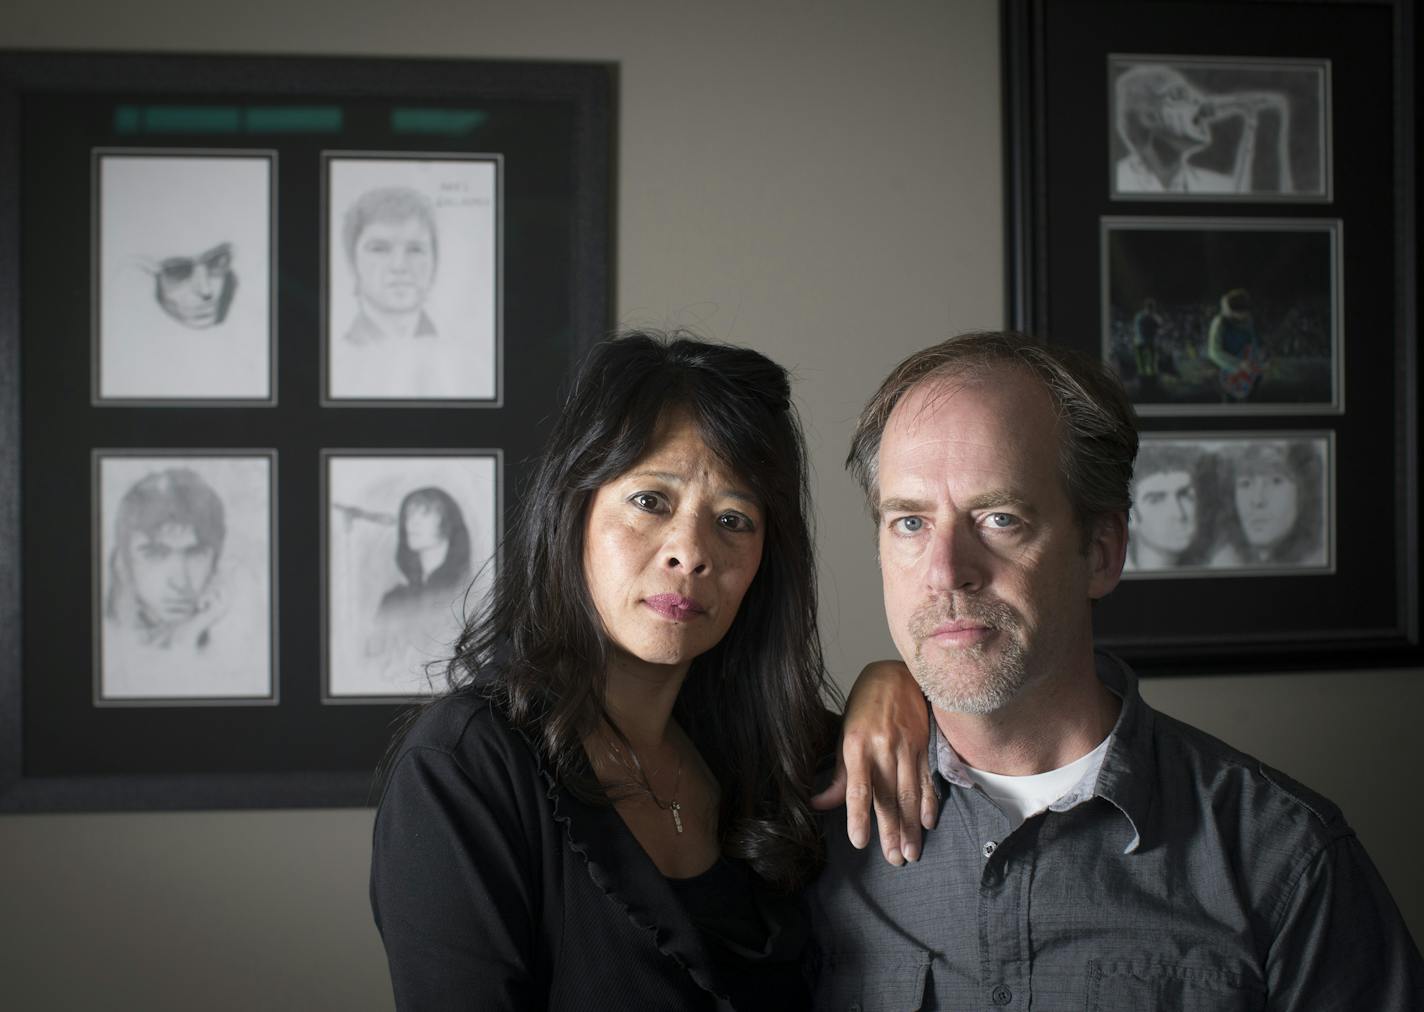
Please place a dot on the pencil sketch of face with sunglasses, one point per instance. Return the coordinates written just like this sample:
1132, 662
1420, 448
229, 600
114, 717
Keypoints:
196, 290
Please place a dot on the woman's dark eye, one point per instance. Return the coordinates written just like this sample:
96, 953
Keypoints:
735, 522
646, 501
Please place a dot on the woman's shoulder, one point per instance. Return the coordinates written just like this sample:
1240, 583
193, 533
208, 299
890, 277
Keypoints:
469, 728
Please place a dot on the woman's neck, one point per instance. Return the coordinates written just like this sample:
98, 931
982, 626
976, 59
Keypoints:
640, 698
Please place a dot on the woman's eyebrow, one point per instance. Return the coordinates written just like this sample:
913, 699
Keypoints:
673, 478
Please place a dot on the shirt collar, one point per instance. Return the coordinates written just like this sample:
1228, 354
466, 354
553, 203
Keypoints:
1127, 769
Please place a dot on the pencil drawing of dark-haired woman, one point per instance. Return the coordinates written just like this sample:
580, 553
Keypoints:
432, 553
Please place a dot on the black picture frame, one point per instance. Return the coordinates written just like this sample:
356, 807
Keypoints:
552, 127
1058, 61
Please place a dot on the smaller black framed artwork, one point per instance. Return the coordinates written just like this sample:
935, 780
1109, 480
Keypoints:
409, 556
367, 278
1250, 196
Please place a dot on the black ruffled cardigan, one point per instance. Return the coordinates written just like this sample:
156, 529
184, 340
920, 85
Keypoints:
495, 888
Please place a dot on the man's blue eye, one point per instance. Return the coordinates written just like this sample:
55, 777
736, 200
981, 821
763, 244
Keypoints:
911, 525
1001, 520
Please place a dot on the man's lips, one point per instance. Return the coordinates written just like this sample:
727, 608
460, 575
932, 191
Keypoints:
674, 606
961, 633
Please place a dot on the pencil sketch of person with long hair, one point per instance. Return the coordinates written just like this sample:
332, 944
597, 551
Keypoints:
1275, 504
432, 553
417, 617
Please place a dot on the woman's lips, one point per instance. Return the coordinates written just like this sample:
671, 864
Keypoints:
674, 606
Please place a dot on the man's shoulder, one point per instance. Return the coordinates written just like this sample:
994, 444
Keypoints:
1225, 773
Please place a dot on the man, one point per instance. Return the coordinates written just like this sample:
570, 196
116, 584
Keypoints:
168, 536
390, 243
196, 290
1145, 326
1274, 510
1163, 120
1235, 349
1090, 852
1162, 524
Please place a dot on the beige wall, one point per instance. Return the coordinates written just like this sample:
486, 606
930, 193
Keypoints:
818, 180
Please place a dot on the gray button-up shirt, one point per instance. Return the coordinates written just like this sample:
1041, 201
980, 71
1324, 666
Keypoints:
1182, 875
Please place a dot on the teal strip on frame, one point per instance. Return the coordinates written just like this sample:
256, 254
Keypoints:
446, 122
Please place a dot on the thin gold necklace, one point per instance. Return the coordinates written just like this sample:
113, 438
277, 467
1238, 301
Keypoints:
673, 805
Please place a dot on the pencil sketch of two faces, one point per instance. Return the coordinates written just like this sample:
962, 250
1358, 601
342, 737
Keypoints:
1230, 506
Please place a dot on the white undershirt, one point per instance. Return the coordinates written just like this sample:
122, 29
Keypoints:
1020, 797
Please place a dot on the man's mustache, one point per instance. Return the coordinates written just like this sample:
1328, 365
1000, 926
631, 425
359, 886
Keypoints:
936, 611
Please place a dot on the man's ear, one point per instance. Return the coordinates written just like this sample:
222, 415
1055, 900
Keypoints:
1107, 551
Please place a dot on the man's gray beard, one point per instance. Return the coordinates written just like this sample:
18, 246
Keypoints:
966, 680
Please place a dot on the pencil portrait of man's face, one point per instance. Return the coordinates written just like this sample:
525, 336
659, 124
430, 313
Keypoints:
197, 290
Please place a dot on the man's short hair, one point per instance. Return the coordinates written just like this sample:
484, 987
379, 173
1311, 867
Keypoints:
390, 204
1097, 424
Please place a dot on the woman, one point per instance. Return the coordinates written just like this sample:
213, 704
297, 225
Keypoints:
610, 809
432, 553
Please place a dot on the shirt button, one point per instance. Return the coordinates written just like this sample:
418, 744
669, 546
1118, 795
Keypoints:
989, 848
1001, 995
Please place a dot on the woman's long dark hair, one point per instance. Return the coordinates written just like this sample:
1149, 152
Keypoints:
753, 704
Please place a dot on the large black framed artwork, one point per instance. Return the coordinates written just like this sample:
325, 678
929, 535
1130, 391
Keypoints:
279, 338
1224, 214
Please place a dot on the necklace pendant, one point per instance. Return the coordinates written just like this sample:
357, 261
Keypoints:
676, 815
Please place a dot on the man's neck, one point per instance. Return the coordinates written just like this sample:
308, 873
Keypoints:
1052, 722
